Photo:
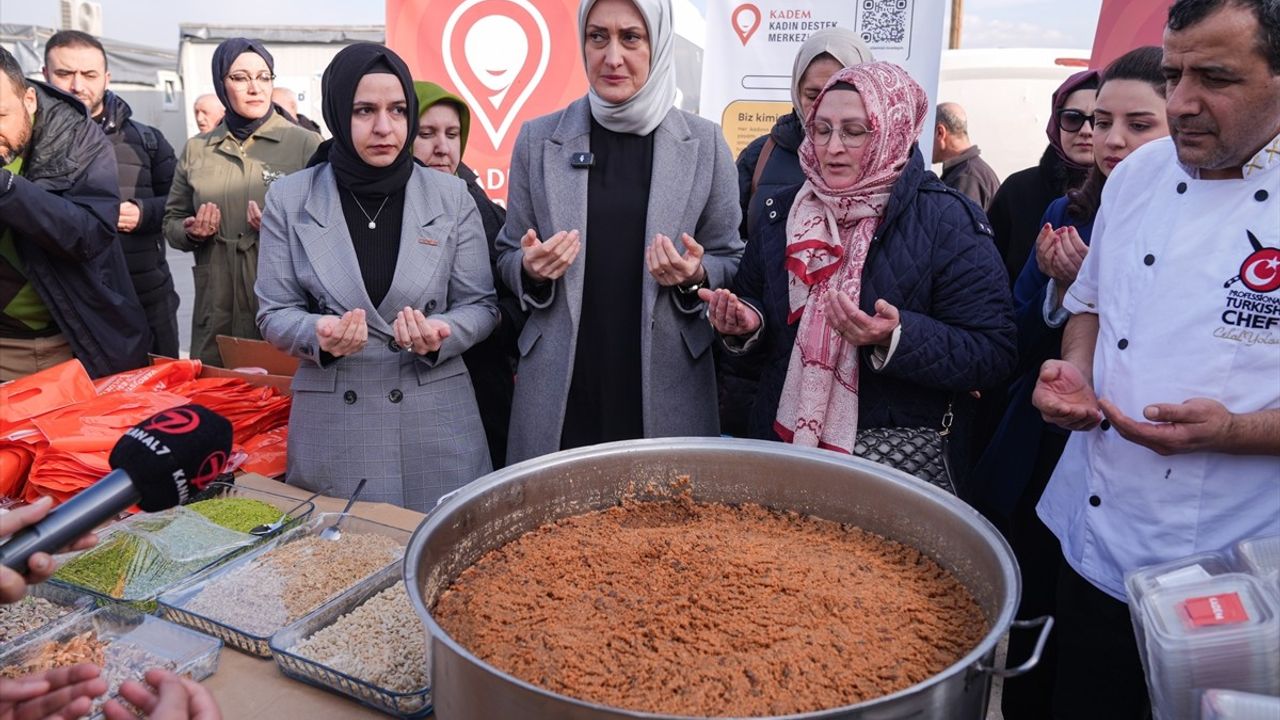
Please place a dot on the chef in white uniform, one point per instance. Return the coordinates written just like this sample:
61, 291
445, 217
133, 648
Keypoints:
1171, 361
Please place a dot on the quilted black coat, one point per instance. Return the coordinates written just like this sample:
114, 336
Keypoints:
932, 258
63, 213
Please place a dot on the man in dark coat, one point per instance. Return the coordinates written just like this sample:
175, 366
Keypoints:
76, 63
64, 286
962, 168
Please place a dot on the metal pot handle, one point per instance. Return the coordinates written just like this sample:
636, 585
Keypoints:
1046, 624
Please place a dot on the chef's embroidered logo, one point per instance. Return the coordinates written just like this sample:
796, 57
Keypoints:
1260, 272
1252, 314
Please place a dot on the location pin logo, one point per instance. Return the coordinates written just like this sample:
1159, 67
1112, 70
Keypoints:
496, 52
746, 20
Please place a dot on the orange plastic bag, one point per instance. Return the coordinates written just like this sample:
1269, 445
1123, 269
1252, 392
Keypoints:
15, 463
18, 447
268, 453
61, 475
81, 437
251, 409
161, 376
95, 425
56, 387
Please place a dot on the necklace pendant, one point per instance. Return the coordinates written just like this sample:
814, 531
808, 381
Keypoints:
373, 225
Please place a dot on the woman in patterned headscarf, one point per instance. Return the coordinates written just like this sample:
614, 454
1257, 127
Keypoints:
872, 289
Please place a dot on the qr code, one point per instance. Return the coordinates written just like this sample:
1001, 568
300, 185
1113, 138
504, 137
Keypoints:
884, 22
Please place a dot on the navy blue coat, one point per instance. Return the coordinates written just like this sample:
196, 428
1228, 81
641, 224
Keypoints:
63, 212
932, 258
781, 172
1007, 465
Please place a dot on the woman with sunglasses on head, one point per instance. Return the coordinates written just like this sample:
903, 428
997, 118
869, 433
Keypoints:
872, 290
1129, 112
215, 204
375, 274
1022, 198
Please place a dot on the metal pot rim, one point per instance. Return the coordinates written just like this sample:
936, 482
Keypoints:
970, 663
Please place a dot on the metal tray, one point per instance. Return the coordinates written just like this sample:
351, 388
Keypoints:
184, 651
413, 704
172, 603
301, 511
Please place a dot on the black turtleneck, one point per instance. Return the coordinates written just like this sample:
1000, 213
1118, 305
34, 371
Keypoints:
376, 249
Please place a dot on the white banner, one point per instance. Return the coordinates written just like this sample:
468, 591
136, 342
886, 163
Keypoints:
751, 46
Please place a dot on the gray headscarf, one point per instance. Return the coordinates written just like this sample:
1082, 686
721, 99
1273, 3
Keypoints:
841, 43
643, 112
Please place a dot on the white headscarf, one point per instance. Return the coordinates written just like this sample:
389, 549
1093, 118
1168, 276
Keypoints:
841, 43
643, 112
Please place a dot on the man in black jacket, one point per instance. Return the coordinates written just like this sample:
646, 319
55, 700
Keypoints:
64, 286
962, 169
76, 63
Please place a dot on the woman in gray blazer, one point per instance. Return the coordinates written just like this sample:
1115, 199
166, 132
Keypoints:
375, 272
620, 208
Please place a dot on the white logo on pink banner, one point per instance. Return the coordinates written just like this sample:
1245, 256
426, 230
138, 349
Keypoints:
491, 66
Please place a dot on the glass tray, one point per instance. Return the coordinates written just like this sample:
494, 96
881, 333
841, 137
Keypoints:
178, 649
173, 603
413, 704
145, 601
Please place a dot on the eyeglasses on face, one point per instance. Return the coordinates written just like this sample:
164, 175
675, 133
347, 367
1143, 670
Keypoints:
851, 136
1072, 120
242, 79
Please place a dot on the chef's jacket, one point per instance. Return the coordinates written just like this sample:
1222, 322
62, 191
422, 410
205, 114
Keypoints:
1184, 275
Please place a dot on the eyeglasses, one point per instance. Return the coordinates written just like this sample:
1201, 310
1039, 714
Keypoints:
851, 136
1072, 120
242, 79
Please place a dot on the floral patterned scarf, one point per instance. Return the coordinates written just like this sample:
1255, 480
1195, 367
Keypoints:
829, 233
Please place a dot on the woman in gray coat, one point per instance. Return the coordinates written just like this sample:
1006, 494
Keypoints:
620, 208
375, 272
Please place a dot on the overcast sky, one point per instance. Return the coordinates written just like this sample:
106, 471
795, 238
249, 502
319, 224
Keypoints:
987, 23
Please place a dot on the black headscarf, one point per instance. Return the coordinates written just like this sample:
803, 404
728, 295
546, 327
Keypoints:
223, 58
338, 88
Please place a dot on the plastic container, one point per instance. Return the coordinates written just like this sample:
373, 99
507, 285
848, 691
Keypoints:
71, 602
1219, 633
1236, 705
249, 599
1140, 583
160, 557
136, 642
1260, 556
412, 704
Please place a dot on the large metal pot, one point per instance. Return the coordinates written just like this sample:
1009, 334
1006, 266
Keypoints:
503, 505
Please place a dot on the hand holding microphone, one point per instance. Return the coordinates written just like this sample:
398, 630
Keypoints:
160, 462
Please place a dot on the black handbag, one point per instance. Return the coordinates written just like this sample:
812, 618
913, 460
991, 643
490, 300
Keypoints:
918, 451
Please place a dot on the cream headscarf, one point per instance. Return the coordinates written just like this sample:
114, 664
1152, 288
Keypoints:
841, 43
643, 112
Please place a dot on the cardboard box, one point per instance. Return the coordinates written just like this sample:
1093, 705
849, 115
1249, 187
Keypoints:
242, 353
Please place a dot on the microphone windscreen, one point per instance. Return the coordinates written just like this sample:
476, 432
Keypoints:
173, 454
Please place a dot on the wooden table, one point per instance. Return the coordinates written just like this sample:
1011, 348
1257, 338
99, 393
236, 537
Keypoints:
250, 688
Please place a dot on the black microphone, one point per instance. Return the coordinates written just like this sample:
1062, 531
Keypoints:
160, 462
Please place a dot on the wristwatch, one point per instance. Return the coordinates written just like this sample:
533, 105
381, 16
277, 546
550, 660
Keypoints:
693, 288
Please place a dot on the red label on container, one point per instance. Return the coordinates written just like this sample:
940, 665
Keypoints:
1215, 610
